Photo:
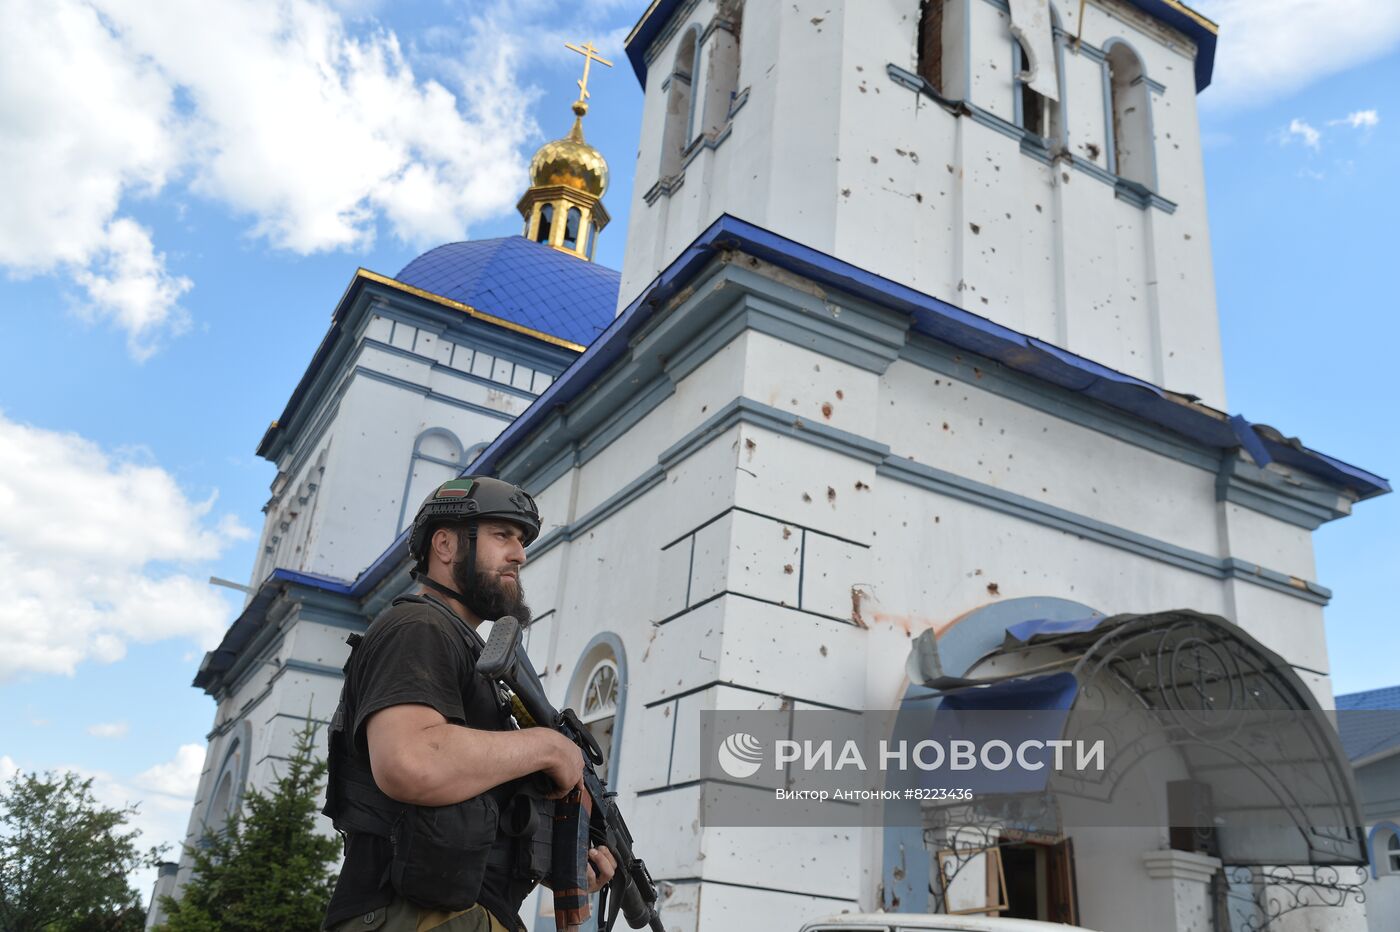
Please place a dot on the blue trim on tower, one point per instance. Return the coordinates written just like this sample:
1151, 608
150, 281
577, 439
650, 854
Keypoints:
934, 318
897, 306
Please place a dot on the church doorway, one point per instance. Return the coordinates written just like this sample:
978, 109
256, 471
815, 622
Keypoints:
1040, 882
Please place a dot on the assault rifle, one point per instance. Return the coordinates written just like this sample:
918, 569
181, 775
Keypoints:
561, 838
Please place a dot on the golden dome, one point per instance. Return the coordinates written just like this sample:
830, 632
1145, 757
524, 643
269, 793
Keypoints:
571, 161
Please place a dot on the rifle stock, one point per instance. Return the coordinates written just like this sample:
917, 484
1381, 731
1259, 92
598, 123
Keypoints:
581, 817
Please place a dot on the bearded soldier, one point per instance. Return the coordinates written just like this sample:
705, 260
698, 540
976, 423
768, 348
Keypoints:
423, 752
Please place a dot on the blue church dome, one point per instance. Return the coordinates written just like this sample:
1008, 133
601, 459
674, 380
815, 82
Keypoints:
524, 282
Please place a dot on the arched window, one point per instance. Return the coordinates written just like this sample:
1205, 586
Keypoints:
571, 225
680, 104
437, 457
546, 223
1130, 154
721, 69
219, 807
599, 701
1031, 107
1384, 844
226, 789
597, 693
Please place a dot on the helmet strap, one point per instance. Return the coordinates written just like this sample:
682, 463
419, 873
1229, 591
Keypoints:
423, 579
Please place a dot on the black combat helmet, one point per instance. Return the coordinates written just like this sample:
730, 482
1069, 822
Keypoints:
468, 499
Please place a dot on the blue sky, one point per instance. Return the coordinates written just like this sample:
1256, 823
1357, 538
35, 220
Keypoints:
182, 214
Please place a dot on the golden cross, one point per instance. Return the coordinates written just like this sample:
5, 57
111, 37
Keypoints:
590, 55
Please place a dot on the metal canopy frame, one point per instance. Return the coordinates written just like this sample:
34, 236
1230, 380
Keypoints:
1241, 720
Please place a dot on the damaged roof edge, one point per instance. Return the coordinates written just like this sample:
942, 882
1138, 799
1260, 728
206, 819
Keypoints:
1202, 31
249, 622
932, 317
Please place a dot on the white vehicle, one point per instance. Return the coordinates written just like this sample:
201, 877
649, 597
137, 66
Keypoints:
924, 922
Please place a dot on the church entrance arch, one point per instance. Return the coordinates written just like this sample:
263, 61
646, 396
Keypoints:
1212, 740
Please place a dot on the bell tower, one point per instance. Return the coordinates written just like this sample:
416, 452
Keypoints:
563, 207
1034, 162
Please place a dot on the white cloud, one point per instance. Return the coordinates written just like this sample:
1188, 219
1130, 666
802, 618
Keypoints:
109, 730
1270, 48
1358, 119
94, 544
316, 132
314, 128
178, 777
86, 125
8, 768
128, 283
1310, 136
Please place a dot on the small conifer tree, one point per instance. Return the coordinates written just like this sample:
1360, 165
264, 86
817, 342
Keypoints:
269, 868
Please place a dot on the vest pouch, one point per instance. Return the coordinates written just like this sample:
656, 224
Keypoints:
440, 852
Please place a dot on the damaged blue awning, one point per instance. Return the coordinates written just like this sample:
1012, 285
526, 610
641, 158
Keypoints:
1006, 727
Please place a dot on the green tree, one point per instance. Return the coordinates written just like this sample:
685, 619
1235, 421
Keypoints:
268, 868
65, 860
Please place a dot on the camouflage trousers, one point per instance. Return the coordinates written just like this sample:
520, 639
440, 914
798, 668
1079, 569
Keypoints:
402, 916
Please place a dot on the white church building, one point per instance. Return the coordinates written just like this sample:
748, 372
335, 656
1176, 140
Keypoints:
915, 342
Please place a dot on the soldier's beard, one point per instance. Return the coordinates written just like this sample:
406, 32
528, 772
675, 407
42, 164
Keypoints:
489, 596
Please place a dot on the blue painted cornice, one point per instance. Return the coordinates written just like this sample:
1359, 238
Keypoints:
634, 363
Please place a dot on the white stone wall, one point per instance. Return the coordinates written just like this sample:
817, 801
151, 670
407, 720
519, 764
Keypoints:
736, 580
294, 674
829, 151
345, 498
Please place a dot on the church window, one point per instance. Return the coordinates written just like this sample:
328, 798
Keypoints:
680, 105
599, 712
1030, 105
218, 809
1130, 155
226, 797
1385, 850
571, 225
437, 457
597, 693
930, 49
546, 223
721, 84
